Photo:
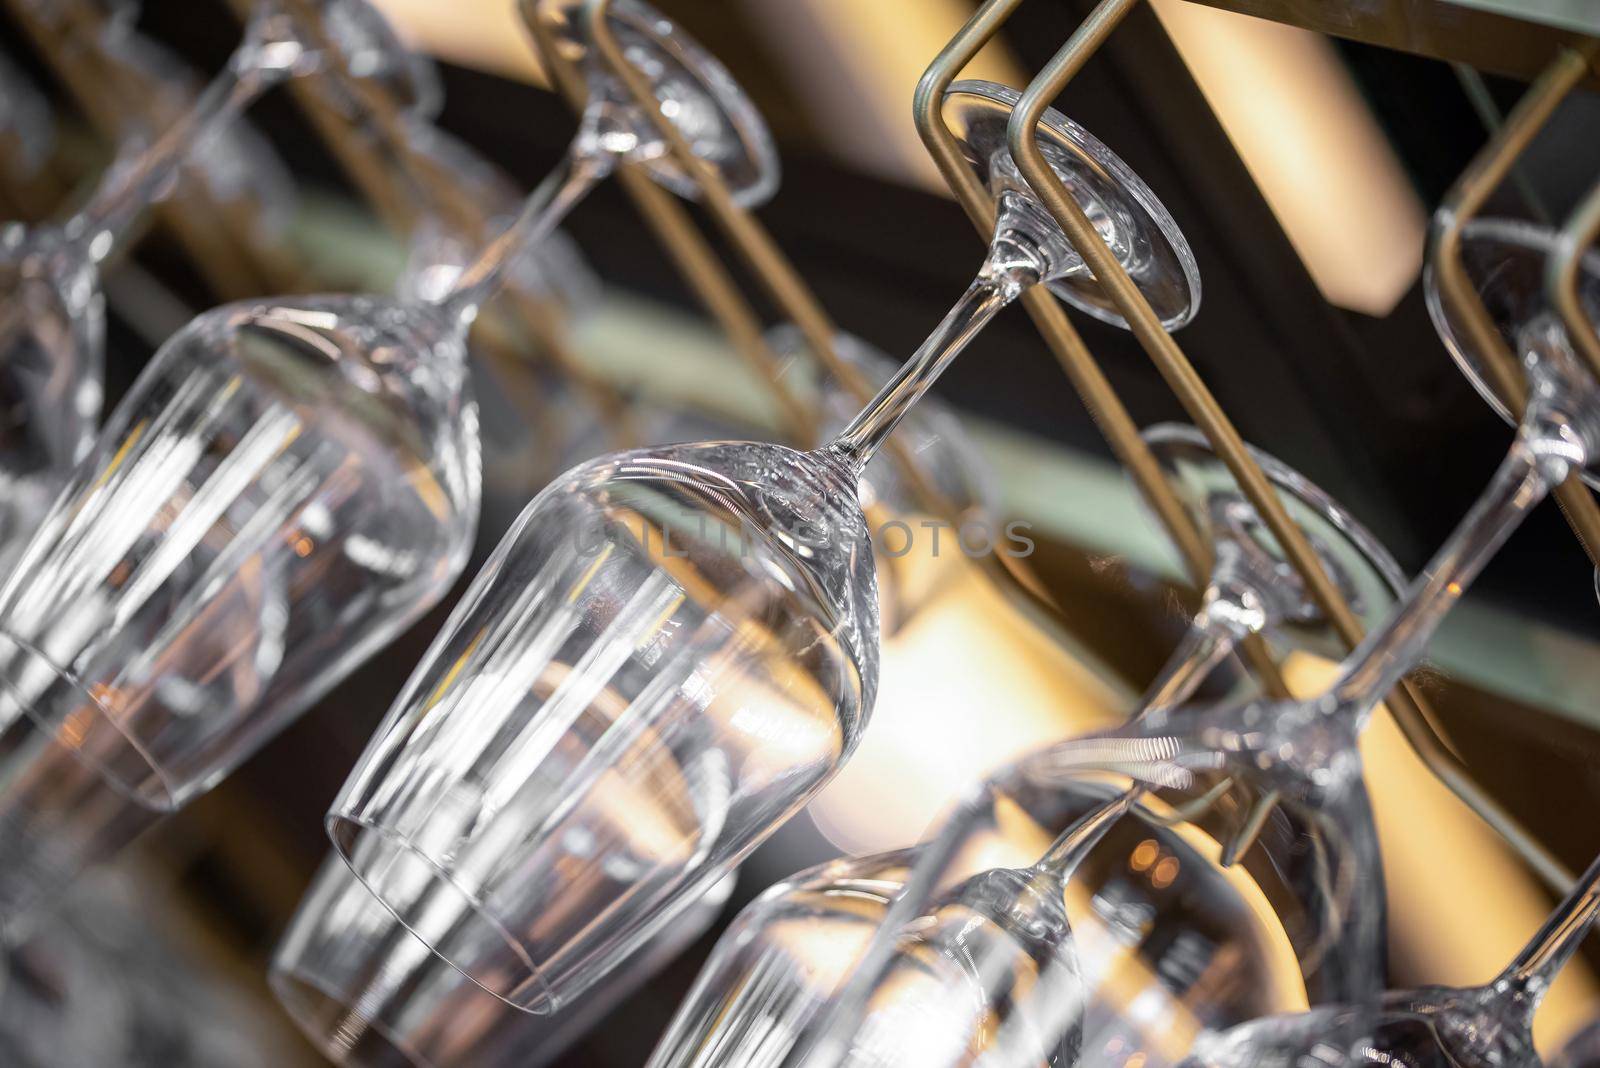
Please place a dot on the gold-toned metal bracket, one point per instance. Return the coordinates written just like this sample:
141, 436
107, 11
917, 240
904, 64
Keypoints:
1577, 237
1085, 374
402, 185
1409, 710
751, 242
690, 253
1180, 377
1471, 191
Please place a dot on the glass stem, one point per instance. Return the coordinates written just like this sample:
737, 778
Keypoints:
1535, 968
562, 190
1209, 641
133, 184
1068, 850
1012, 267
1524, 478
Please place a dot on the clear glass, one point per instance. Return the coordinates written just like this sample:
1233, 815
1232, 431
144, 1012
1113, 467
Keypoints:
693, 88
1505, 261
367, 994
237, 165
51, 309
1433, 1027
668, 655
781, 964
285, 488
932, 437
638, 683
1013, 918
694, 91
1305, 751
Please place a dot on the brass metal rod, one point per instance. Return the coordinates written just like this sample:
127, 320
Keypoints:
717, 292
1105, 408
1408, 709
690, 252
1142, 319
219, 235
1471, 191
402, 186
1566, 261
754, 245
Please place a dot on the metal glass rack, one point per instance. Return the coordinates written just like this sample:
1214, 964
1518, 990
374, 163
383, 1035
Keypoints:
1535, 41
1542, 36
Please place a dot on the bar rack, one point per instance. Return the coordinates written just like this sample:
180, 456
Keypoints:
1446, 29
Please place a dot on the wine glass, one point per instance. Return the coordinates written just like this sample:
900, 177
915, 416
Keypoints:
369, 995
1490, 1026
933, 438
692, 88
1253, 589
235, 163
1504, 259
51, 315
1305, 751
689, 633
105, 983
784, 959
288, 485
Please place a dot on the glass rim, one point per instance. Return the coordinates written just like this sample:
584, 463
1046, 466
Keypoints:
345, 831
164, 797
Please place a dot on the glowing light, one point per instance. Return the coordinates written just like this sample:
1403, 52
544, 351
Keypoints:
1313, 146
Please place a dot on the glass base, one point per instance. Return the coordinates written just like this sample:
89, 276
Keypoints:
451, 922
709, 108
1127, 214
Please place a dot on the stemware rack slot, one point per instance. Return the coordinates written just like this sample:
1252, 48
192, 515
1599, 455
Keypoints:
1573, 64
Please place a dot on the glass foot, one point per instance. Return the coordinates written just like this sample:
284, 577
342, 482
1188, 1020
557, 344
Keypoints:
1505, 262
696, 92
1128, 215
1365, 573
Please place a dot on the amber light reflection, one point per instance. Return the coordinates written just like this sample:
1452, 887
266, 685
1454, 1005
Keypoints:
942, 721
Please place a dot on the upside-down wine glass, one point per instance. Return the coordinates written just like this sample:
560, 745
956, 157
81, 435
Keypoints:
368, 994
1306, 750
1490, 1026
674, 649
1012, 919
288, 485
51, 314
932, 437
